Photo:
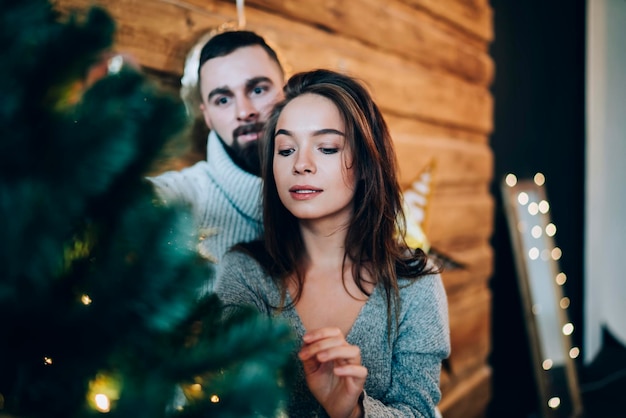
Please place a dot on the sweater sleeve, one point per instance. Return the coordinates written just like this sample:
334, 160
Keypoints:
421, 344
241, 282
179, 186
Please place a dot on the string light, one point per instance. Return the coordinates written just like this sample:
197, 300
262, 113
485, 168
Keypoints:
530, 210
86, 300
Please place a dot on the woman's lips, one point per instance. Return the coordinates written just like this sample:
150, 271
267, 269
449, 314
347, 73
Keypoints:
304, 192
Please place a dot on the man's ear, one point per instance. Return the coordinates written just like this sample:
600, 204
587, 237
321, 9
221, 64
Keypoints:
205, 115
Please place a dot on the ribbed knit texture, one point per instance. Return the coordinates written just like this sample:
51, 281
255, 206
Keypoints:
225, 200
403, 376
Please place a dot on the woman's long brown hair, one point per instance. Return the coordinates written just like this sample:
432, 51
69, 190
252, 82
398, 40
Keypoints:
374, 236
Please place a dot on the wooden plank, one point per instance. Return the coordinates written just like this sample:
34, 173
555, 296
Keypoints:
462, 218
454, 162
429, 129
467, 397
159, 35
478, 268
470, 327
391, 26
473, 16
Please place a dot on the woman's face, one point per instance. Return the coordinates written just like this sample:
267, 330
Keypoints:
313, 166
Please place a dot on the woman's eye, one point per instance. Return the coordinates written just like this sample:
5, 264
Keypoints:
329, 150
285, 152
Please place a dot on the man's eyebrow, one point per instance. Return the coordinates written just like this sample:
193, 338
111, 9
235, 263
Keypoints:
225, 91
253, 82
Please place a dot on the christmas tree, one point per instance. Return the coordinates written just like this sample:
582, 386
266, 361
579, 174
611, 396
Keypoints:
98, 301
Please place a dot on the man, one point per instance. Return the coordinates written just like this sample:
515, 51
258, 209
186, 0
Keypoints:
240, 78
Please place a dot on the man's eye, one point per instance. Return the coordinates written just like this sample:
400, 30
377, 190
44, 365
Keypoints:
329, 150
259, 90
285, 152
220, 101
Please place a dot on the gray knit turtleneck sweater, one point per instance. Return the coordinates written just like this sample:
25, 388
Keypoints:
225, 200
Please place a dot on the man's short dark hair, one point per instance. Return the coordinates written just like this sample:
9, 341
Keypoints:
226, 42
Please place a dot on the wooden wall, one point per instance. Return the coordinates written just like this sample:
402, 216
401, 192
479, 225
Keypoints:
427, 64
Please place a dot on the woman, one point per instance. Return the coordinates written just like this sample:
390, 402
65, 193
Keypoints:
370, 313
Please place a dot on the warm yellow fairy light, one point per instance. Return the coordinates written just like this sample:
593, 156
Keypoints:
102, 402
85, 299
539, 179
544, 206
550, 229
574, 352
568, 328
522, 198
536, 231
564, 302
214, 398
510, 180
104, 391
547, 364
556, 253
47, 361
533, 253
533, 208
554, 402
561, 278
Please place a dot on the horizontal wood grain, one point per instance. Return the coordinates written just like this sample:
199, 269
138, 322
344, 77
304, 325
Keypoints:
160, 33
393, 26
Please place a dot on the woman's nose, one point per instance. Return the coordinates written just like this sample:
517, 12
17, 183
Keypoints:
303, 163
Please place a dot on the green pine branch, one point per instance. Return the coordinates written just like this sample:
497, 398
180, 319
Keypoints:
98, 293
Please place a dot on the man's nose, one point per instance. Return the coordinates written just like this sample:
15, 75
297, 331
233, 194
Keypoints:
246, 110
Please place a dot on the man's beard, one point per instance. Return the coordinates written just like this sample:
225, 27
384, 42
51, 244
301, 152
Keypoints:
247, 155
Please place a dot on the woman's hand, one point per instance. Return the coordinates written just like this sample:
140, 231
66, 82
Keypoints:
333, 372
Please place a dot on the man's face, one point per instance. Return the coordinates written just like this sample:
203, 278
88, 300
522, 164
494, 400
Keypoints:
238, 93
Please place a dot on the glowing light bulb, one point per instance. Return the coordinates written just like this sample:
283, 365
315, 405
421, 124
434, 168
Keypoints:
510, 180
561, 278
574, 352
547, 364
539, 179
536, 231
102, 402
215, 398
568, 328
85, 299
554, 402
522, 198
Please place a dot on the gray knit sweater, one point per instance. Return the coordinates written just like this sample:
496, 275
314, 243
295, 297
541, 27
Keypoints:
403, 369
225, 200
